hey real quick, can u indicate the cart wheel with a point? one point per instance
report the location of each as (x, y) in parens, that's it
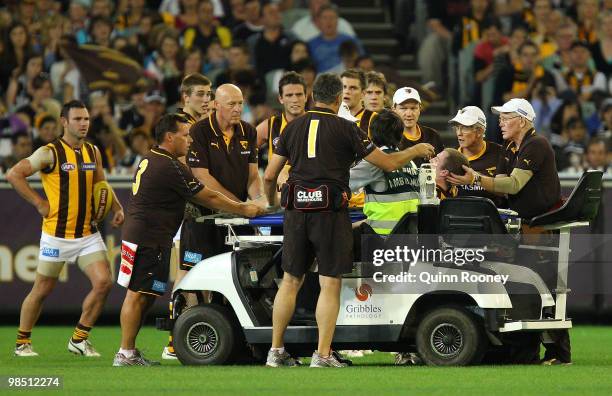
(450, 336)
(205, 335)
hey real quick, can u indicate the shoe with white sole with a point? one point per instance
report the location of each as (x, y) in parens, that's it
(83, 348)
(168, 355)
(137, 359)
(25, 350)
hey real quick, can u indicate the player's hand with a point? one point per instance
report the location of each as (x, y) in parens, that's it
(251, 210)
(464, 180)
(423, 150)
(118, 217)
(43, 208)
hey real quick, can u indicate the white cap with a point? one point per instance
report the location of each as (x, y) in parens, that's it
(404, 94)
(518, 106)
(470, 115)
(345, 112)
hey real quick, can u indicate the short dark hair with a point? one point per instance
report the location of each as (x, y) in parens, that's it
(168, 124)
(357, 75)
(303, 65)
(327, 7)
(387, 129)
(491, 22)
(73, 104)
(19, 134)
(597, 140)
(455, 161)
(378, 79)
(327, 88)
(348, 48)
(191, 81)
(574, 122)
(290, 78)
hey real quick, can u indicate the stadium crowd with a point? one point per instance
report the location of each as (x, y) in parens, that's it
(557, 54)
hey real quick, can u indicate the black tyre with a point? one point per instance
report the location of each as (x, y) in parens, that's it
(205, 335)
(450, 336)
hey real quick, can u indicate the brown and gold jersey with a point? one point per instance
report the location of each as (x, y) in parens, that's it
(485, 162)
(424, 135)
(68, 185)
(364, 118)
(276, 126)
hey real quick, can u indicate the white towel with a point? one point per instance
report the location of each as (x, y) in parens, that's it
(128, 255)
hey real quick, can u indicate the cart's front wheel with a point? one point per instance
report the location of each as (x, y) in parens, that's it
(205, 335)
(450, 336)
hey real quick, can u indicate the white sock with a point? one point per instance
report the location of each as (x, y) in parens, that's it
(280, 350)
(128, 353)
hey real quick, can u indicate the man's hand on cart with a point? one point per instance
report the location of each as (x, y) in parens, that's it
(251, 209)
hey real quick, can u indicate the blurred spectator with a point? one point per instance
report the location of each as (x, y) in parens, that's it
(349, 53)
(133, 116)
(41, 93)
(194, 62)
(237, 14)
(53, 27)
(20, 88)
(103, 8)
(215, 60)
(605, 115)
(154, 108)
(21, 148)
(140, 144)
(26, 13)
(587, 20)
(128, 20)
(570, 155)
(493, 45)
(77, 14)
(10, 125)
(520, 79)
(537, 17)
(545, 40)
(47, 129)
(602, 50)
(104, 131)
(564, 37)
(207, 30)
(166, 61)
(271, 47)
(307, 27)
(443, 17)
(238, 58)
(100, 29)
(16, 51)
(325, 47)
(298, 51)
(580, 78)
(570, 108)
(467, 34)
(365, 63)
(184, 17)
(597, 155)
(252, 21)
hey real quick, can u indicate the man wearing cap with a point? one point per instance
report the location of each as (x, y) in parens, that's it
(470, 124)
(407, 104)
(528, 176)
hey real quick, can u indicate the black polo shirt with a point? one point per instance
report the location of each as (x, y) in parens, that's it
(484, 163)
(227, 160)
(543, 190)
(162, 185)
(322, 147)
(426, 135)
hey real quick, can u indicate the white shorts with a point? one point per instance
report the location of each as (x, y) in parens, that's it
(69, 250)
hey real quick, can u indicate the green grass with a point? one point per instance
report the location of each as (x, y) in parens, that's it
(373, 375)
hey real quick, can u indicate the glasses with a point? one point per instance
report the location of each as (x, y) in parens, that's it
(505, 120)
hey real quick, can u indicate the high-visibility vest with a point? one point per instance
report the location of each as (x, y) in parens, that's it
(384, 209)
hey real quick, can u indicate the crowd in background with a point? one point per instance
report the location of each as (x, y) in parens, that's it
(557, 54)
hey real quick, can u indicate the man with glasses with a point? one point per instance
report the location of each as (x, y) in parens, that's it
(528, 176)
(469, 125)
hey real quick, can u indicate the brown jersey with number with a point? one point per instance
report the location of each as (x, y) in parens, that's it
(162, 185)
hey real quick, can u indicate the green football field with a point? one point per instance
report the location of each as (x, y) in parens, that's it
(375, 374)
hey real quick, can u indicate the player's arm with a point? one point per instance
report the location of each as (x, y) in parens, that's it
(275, 165)
(204, 176)
(18, 174)
(393, 161)
(262, 133)
(254, 185)
(215, 200)
(117, 208)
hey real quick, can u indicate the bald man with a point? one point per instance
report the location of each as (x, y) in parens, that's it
(223, 156)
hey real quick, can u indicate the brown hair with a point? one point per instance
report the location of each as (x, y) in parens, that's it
(455, 161)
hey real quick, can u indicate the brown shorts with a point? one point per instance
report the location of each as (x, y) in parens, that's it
(324, 235)
(151, 270)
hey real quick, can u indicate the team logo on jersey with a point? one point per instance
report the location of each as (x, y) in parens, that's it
(68, 166)
(213, 144)
(49, 252)
(491, 170)
(244, 144)
(275, 141)
(88, 166)
(527, 161)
